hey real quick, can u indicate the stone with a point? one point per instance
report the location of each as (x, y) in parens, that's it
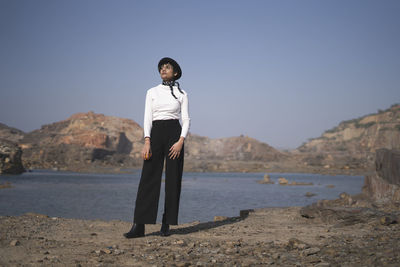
(180, 242)
(14, 243)
(295, 243)
(266, 180)
(383, 186)
(10, 158)
(309, 194)
(283, 181)
(386, 220)
(220, 218)
(245, 213)
(387, 164)
(311, 251)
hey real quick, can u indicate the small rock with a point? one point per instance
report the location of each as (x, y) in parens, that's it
(283, 181)
(220, 218)
(322, 264)
(295, 243)
(93, 234)
(311, 251)
(330, 186)
(313, 259)
(107, 251)
(245, 213)
(14, 243)
(309, 194)
(387, 220)
(118, 251)
(266, 180)
(180, 242)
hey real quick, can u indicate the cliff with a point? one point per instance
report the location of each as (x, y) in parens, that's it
(96, 142)
(81, 140)
(353, 143)
(10, 133)
(90, 141)
(10, 158)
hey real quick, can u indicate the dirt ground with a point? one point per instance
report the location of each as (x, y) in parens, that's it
(272, 236)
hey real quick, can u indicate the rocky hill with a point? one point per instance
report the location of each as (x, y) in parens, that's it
(92, 142)
(235, 154)
(83, 140)
(353, 143)
(96, 142)
(10, 133)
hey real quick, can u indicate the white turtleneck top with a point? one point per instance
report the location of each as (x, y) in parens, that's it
(161, 105)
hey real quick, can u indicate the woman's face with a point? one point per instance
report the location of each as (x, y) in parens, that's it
(167, 72)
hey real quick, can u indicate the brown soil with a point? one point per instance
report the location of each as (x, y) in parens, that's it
(272, 236)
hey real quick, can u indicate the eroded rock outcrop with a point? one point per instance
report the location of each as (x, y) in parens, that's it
(82, 140)
(383, 186)
(353, 143)
(10, 158)
(379, 201)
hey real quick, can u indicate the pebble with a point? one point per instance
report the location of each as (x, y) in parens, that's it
(15, 243)
(311, 251)
(220, 218)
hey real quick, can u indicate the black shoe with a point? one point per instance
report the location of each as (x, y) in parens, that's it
(136, 231)
(165, 229)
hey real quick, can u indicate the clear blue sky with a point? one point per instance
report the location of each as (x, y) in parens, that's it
(278, 71)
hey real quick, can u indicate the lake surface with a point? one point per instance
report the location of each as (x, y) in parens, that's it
(204, 195)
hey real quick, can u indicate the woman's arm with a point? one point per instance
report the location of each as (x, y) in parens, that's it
(148, 115)
(176, 148)
(185, 115)
(147, 125)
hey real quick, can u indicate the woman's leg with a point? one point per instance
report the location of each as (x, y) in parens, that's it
(173, 179)
(148, 194)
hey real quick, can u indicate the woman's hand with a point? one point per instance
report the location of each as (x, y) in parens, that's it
(176, 148)
(146, 151)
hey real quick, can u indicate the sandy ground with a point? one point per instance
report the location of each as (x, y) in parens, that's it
(273, 236)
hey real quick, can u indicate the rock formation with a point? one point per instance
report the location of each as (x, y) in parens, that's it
(232, 154)
(352, 144)
(10, 133)
(10, 158)
(90, 140)
(383, 186)
(379, 201)
(266, 180)
(81, 140)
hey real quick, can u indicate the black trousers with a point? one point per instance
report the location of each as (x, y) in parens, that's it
(164, 133)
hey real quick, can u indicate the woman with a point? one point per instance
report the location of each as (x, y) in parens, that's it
(164, 139)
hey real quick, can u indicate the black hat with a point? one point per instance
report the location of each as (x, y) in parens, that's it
(175, 65)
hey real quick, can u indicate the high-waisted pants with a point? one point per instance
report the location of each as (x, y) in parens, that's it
(164, 133)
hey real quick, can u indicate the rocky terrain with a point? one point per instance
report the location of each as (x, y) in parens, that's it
(99, 143)
(274, 236)
(10, 158)
(95, 142)
(352, 144)
(10, 133)
(82, 140)
(360, 230)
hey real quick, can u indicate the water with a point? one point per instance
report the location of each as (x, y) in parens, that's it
(204, 195)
